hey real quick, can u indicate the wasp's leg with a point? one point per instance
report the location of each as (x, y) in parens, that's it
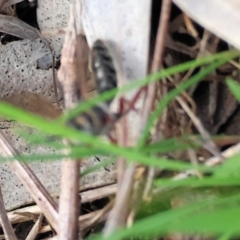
(131, 103)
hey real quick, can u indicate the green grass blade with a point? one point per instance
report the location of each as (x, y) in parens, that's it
(226, 236)
(149, 79)
(173, 144)
(234, 87)
(73, 135)
(174, 93)
(209, 217)
(226, 174)
(205, 182)
(58, 129)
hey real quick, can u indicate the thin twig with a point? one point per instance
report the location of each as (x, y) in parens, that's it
(207, 141)
(100, 216)
(32, 212)
(157, 59)
(118, 215)
(152, 88)
(35, 229)
(2, 3)
(98, 193)
(137, 195)
(31, 183)
(213, 161)
(82, 220)
(189, 25)
(226, 154)
(182, 48)
(24, 214)
(148, 185)
(7, 227)
(201, 53)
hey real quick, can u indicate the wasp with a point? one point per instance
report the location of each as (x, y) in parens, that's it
(99, 120)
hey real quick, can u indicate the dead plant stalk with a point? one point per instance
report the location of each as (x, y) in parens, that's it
(7, 227)
(69, 75)
(118, 216)
(31, 183)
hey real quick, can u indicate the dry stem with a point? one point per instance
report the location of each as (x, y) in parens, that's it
(118, 216)
(157, 59)
(69, 76)
(31, 183)
(2, 2)
(208, 142)
(212, 161)
(32, 212)
(7, 227)
(35, 229)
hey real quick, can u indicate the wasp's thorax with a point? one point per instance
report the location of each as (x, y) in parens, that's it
(96, 121)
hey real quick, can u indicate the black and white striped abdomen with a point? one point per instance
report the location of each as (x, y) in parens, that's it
(103, 68)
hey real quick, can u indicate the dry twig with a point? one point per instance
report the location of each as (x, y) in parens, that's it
(189, 25)
(207, 140)
(98, 193)
(35, 229)
(118, 216)
(157, 59)
(71, 76)
(82, 220)
(7, 227)
(31, 183)
(230, 152)
(100, 216)
(2, 2)
(226, 154)
(162, 35)
(32, 212)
